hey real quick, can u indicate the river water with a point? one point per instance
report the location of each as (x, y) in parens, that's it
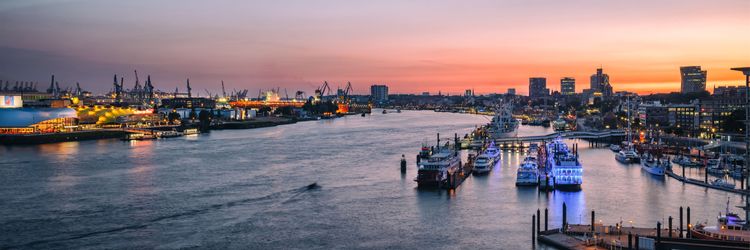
(249, 189)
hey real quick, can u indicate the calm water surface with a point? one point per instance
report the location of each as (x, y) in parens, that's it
(248, 189)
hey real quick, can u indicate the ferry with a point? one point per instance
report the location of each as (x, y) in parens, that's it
(503, 124)
(730, 228)
(483, 164)
(565, 169)
(627, 156)
(434, 170)
(653, 165)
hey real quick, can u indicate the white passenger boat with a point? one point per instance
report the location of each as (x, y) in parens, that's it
(627, 156)
(722, 184)
(483, 164)
(492, 152)
(528, 173)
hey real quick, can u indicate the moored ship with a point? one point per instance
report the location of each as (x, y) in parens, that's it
(483, 164)
(730, 228)
(503, 124)
(435, 167)
(654, 165)
(564, 168)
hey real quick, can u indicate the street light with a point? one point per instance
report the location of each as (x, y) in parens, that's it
(746, 71)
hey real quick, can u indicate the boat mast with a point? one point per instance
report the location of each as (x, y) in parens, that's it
(630, 134)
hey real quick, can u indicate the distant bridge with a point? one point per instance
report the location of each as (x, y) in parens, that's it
(564, 135)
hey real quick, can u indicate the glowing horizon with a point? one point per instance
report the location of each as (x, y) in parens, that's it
(413, 47)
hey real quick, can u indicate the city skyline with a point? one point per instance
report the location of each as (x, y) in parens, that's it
(411, 47)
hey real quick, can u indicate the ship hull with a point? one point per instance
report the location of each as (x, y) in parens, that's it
(428, 179)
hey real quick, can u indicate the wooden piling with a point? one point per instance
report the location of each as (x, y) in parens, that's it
(565, 217)
(681, 229)
(545, 219)
(670, 226)
(533, 230)
(688, 223)
(538, 219)
(630, 240)
(593, 220)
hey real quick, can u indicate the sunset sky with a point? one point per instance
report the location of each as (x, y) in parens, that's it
(412, 46)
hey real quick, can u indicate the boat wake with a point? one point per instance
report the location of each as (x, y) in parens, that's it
(291, 195)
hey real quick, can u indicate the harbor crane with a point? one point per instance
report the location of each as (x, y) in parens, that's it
(321, 92)
(223, 91)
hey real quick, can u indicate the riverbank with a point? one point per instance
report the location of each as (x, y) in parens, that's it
(30, 139)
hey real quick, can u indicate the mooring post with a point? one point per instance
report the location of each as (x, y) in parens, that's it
(670, 226)
(533, 230)
(637, 244)
(658, 232)
(564, 217)
(630, 240)
(545, 219)
(593, 215)
(538, 221)
(681, 228)
(688, 224)
(705, 176)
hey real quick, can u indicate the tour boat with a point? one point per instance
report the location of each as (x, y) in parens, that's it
(483, 164)
(528, 171)
(435, 170)
(627, 156)
(730, 228)
(565, 169)
(169, 134)
(653, 165)
(492, 152)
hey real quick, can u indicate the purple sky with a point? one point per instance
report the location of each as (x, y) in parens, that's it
(412, 46)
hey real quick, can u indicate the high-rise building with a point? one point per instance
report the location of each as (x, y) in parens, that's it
(600, 83)
(469, 92)
(693, 79)
(538, 87)
(379, 93)
(511, 91)
(567, 86)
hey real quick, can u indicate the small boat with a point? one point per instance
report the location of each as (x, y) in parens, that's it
(689, 163)
(614, 148)
(713, 166)
(722, 184)
(654, 166)
(483, 164)
(627, 156)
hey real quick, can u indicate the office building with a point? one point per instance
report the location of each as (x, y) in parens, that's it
(600, 83)
(567, 86)
(693, 79)
(379, 93)
(538, 87)
(511, 91)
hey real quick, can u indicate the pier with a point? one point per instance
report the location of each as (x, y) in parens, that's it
(705, 184)
(597, 235)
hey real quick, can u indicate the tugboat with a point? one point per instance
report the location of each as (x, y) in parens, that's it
(730, 228)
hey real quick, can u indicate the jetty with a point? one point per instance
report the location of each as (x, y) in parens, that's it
(600, 236)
